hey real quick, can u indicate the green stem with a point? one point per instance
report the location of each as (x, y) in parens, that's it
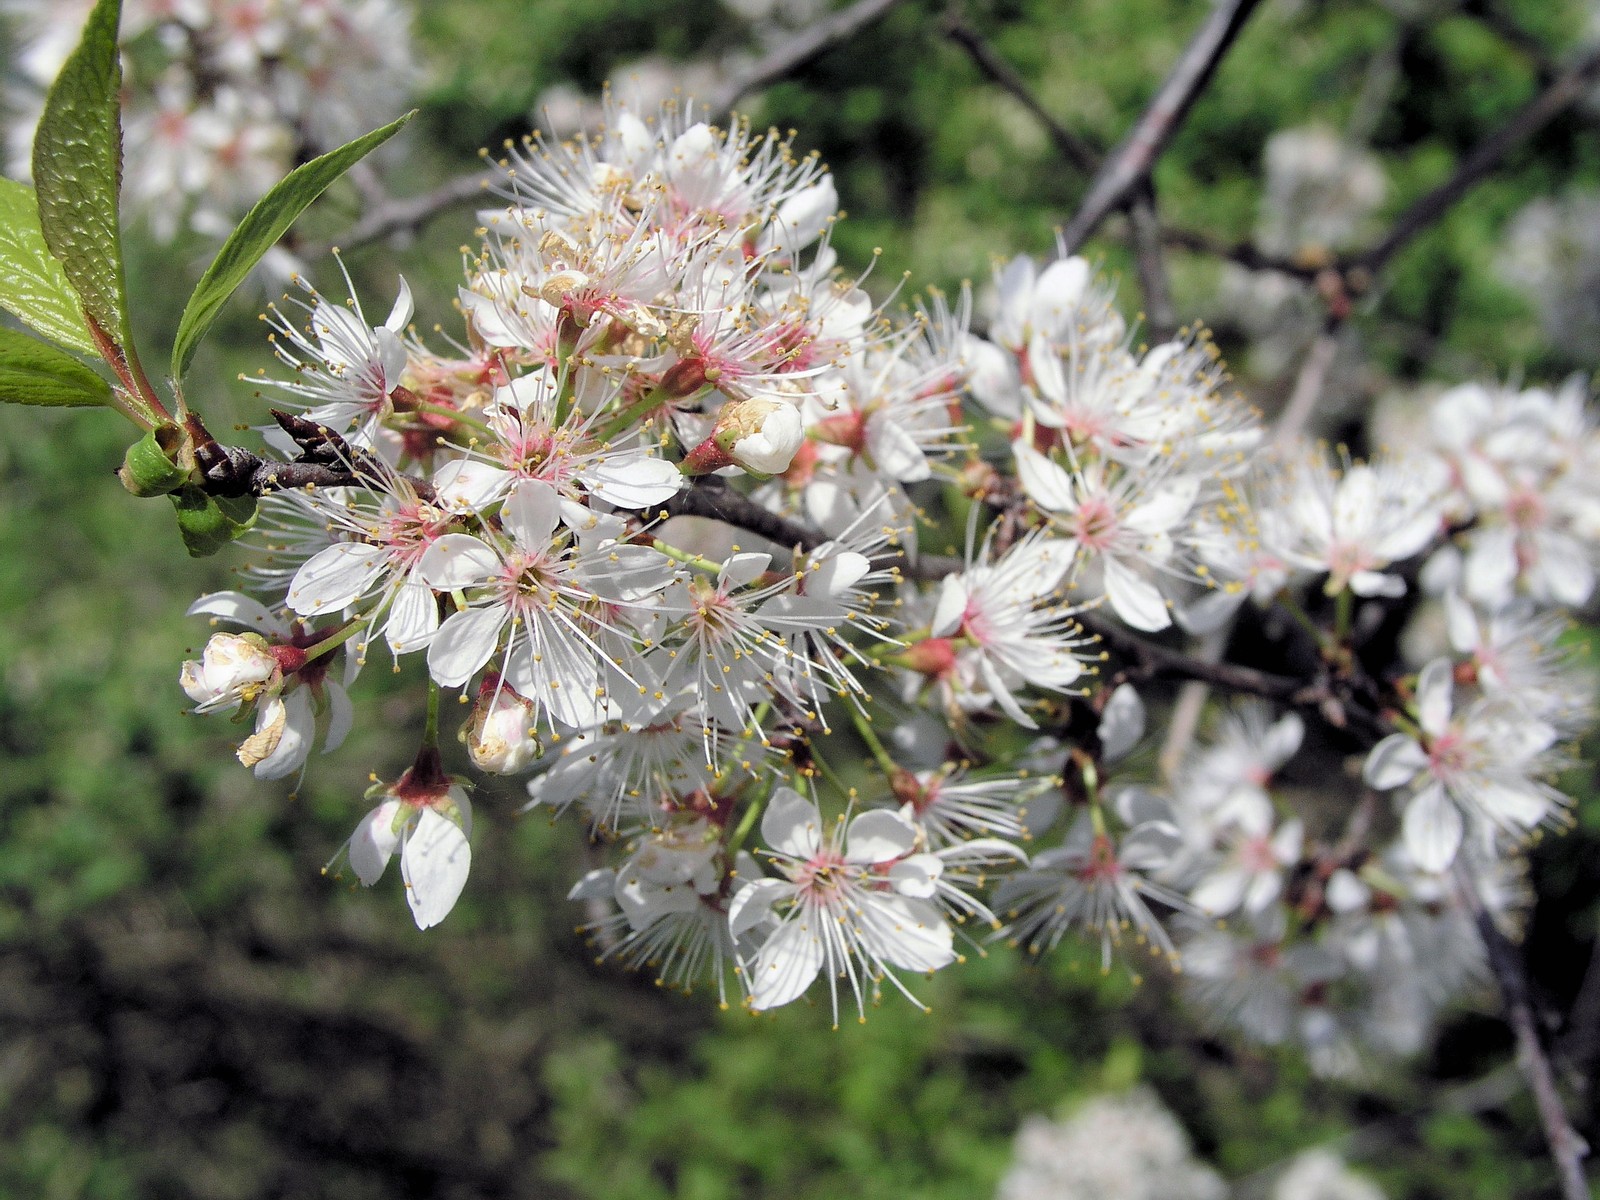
(430, 731)
(688, 559)
(863, 724)
(747, 822)
(1292, 607)
(329, 645)
(653, 399)
(460, 418)
(1343, 606)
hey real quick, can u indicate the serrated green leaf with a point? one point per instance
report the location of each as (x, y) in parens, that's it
(77, 171)
(260, 230)
(35, 372)
(33, 287)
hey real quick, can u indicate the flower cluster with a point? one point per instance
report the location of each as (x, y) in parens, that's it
(223, 96)
(657, 516)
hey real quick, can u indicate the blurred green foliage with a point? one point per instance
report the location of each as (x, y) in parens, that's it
(190, 1010)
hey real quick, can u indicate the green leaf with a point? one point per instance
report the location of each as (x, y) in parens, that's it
(33, 286)
(35, 372)
(77, 169)
(260, 230)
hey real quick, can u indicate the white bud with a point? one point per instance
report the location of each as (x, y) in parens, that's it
(761, 435)
(499, 735)
(233, 667)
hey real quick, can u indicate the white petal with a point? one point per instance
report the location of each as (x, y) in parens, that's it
(434, 864)
(791, 825)
(1121, 723)
(333, 578)
(1047, 484)
(1165, 508)
(294, 742)
(1220, 892)
(787, 963)
(341, 717)
(917, 876)
(1135, 600)
(1433, 829)
(413, 617)
(894, 452)
(468, 486)
(457, 560)
(952, 606)
(837, 573)
(741, 569)
(1435, 686)
(1394, 761)
(240, 609)
(634, 480)
(530, 514)
(374, 841)
(463, 644)
(878, 836)
(909, 934)
(752, 904)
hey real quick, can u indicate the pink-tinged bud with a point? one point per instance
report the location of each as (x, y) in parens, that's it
(843, 429)
(500, 733)
(760, 435)
(687, 376)
(933, 657)
(234, 667)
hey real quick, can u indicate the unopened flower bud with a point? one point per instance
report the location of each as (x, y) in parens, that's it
(233, 667)
(933, 657)
(760, 435)
(499, 734)
(150, 468)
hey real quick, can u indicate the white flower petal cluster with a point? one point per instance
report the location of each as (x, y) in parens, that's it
(223, 97)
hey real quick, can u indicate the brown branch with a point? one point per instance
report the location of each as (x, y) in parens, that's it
(1505, 960)
(710, 496)
(410, 213)
(1132, 161)
(1161, 314)
(1488, 154)
(1245, 254)
(1075, 149)
(800, 49)
(1145, 229)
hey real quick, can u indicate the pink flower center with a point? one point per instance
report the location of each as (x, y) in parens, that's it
(1096, 523)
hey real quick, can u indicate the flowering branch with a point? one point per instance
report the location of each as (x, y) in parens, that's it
(408, 214)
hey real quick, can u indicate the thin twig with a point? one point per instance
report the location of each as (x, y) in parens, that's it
(1160, 312)
(794, 53)
(1161, 315)
(410, 213)
(1308, 387)
(1131, 162)
(1075, 149)
(1488, 154)
(1505, 960)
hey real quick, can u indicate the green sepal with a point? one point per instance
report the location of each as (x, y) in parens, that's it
(205, 525)
(260, 230)
(37, 373)
(149, 469)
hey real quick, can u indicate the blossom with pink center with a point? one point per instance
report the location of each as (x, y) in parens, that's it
(1097, 883)
(536, 590)
(853, 905)
(1016, 628)
(1484, 765)
(1118, 521)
